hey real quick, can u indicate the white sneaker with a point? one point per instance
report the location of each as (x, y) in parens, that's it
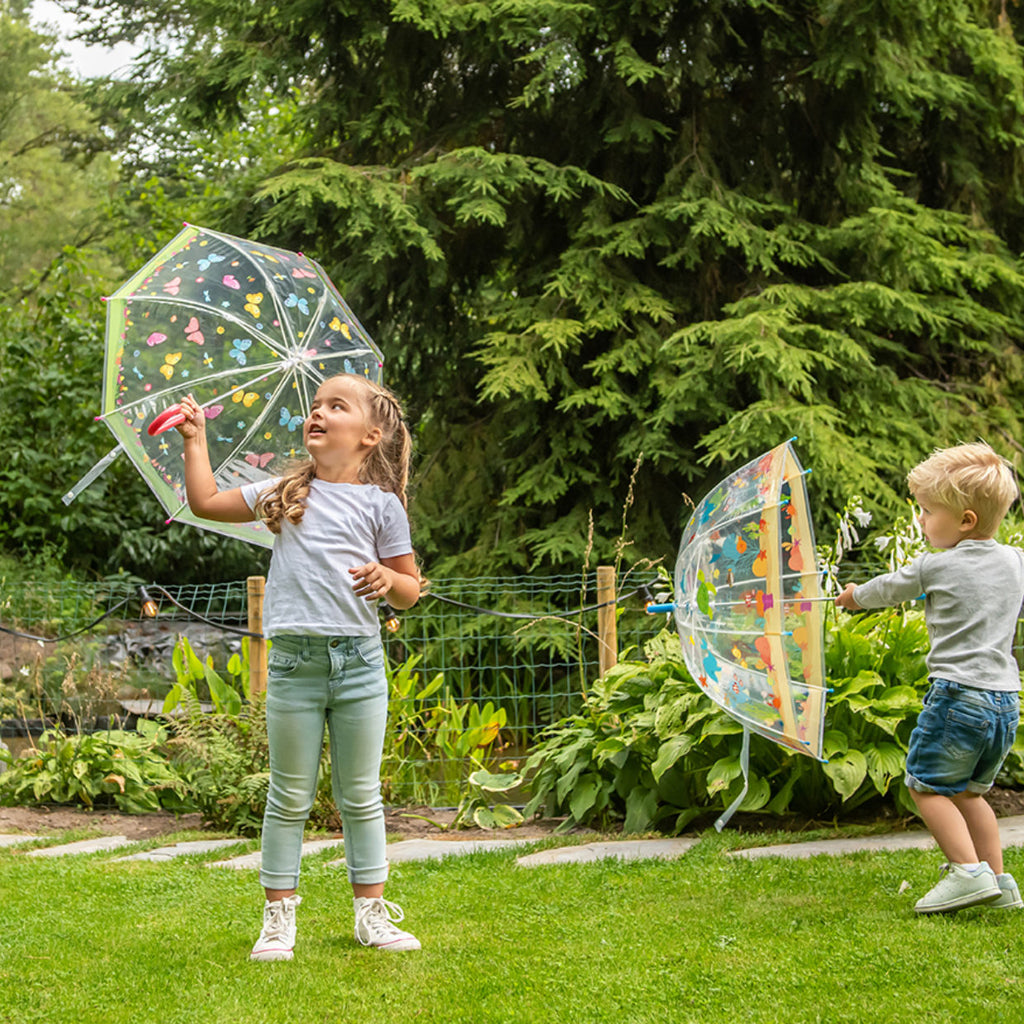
(375, 924)
(1009, 894)
(277, 940)
(959, 888)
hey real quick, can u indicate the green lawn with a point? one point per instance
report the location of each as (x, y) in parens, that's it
(704, 938)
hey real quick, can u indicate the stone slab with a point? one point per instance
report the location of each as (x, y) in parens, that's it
(623, 849)
(436, 849)
(103, 844)
(182, 849)
(14, 840)
(1011, 831)
(836, 847)
(253, 860)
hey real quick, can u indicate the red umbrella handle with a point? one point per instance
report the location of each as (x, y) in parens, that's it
(170, 417)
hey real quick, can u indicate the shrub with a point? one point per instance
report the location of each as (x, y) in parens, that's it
(101, 769)
(650, 749)
(225, 759)
(433, 742)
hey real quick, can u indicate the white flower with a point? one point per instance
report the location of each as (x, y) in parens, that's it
(862, 517)
(882, 542)
(24, 670)
(847, 533)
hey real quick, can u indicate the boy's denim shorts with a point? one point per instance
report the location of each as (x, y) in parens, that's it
(961, 739)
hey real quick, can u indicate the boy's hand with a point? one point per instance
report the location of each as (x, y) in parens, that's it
(195, 419)
(845, 599)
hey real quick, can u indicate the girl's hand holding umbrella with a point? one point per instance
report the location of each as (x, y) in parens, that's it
(176, 416)
(193, 424)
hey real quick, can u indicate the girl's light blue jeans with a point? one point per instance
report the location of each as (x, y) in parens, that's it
(313, 681)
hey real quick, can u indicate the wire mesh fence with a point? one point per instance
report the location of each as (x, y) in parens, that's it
(522, 648)
(487, 662)
(521, 643)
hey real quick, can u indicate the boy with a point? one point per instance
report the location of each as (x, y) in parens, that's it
(974, 591)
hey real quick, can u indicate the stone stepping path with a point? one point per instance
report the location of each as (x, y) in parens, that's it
(252, 860)
(436, 849)
(917, 840)
(104, 844)
(1011, 830)
(15, 840)
(182, 849)
(622, 849)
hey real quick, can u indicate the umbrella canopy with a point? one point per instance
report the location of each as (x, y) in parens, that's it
(749, 604)
(251, 331)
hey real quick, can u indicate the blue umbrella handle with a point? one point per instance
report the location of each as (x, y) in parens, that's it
(654, 609)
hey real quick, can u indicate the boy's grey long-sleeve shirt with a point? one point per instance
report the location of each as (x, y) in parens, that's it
(974, 594)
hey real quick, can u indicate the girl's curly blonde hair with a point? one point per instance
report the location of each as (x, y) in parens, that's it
(387, 465)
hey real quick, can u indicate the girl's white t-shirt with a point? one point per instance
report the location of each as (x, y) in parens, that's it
(309, 587)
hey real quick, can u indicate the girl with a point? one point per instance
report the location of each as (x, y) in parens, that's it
(342, 543)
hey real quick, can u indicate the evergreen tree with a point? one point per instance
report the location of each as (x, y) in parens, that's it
(66, 239)
(53, 181)
(582, 231)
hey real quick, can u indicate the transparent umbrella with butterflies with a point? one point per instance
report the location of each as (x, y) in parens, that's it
(251, 331)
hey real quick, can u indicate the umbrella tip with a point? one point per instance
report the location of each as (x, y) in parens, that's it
(167, 522)
(104, 298)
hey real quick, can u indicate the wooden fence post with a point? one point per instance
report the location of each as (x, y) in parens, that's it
(257, 645)
(608, 645)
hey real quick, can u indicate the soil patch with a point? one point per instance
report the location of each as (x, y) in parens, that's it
(431, 823)
(401, 823)
(46, 821)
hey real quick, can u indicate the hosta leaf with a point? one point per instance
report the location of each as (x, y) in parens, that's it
(885, 762)
(641, 806)
(506, 816)
(722, 772)
(495, 783)
(584, 795)
(847, 772)
(669, 752)
(759, 792)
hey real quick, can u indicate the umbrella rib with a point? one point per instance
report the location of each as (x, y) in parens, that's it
(271, 368)
(728, 584)
(291, 341)
(742, 632)
(749, 514)
(247, 438)
(202, 307)
(319, 311)
(786, 602)
(758, 672)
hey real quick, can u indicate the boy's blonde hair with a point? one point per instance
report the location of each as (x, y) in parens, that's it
(967, 476)
(387, 465)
